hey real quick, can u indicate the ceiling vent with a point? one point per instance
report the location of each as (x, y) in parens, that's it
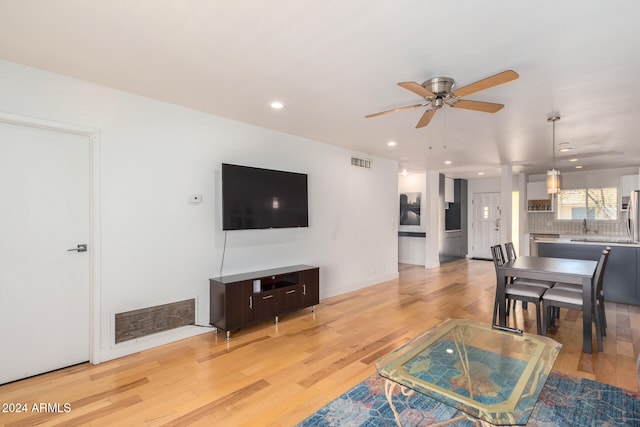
(360, 163)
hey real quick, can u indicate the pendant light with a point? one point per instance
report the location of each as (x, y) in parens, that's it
(553, 175)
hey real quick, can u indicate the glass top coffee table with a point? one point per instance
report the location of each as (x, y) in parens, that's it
(490, 374)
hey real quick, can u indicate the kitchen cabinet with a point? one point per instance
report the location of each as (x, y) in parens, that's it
(452, 245)
(537, 198)
(628, 183)
(449, 190)
(537, 190)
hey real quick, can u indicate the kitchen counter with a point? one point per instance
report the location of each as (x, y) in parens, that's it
(590, 239)
(622, 275)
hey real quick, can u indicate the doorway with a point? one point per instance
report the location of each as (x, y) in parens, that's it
(46, 279)
(486, 223)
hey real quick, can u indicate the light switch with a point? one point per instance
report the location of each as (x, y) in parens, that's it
(194, 199)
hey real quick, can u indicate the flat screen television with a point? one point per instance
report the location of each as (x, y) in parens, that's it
(255, 198)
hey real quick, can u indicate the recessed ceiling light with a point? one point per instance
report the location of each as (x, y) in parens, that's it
(573, 160)
(579, 167)
(277, 105)
(480, 173)
(564, 147)
(447, 162)
(391, 143)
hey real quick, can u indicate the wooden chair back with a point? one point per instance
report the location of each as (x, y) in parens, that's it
(511, 251)
(498, 255)
(599, 276)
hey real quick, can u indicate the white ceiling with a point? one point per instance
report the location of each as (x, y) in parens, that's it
(331, 62)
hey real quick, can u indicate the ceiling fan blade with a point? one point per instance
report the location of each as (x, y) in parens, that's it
(487, 107)
(417, 89)
(426, 118)
(395, 110)
(498, 79)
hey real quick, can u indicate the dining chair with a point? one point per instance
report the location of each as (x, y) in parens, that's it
(562, 298)
(600, 293)
(516, 291)
(511, 255)
(510, 249)
(599, 300)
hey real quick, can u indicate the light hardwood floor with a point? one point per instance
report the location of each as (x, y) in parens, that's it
(270, 375)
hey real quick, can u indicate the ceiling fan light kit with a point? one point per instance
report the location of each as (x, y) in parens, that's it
(439, 91)
(553, 175)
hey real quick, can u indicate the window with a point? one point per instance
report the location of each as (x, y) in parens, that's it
(589, 203)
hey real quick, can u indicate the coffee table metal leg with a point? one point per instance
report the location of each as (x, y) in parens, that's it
(388, 392)
(390, 386)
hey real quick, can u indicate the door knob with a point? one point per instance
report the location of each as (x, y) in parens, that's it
(79, 248)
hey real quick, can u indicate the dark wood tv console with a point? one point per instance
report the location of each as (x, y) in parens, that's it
(243, 299)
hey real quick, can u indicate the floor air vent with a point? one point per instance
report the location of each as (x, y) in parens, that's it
(361, 163)
(146, 321)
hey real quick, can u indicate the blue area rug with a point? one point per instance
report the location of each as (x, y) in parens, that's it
(564, 401)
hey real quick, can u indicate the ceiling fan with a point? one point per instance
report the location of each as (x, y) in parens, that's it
(438, 91)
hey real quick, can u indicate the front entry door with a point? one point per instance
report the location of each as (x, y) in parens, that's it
(486, 223)
(44, 282)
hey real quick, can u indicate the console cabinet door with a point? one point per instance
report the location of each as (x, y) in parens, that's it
(239, 305)
(267, 304)
(309, 286)
(291, 298)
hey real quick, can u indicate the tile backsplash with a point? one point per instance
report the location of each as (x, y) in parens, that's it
(545, 222)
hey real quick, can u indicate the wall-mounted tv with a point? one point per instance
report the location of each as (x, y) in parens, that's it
(255, 198)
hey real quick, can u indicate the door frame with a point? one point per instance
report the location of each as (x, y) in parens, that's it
(474, 226)
(93, 136)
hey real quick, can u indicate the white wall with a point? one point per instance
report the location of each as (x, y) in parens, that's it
(157, 248)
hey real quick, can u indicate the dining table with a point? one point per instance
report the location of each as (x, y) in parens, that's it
(575, 271)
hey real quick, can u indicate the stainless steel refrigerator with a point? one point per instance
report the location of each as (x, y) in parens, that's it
(633, 223)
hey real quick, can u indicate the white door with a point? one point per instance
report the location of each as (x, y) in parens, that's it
(44, 288)
(486, 223)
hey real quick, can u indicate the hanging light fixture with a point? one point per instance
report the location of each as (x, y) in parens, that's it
(553, 175)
